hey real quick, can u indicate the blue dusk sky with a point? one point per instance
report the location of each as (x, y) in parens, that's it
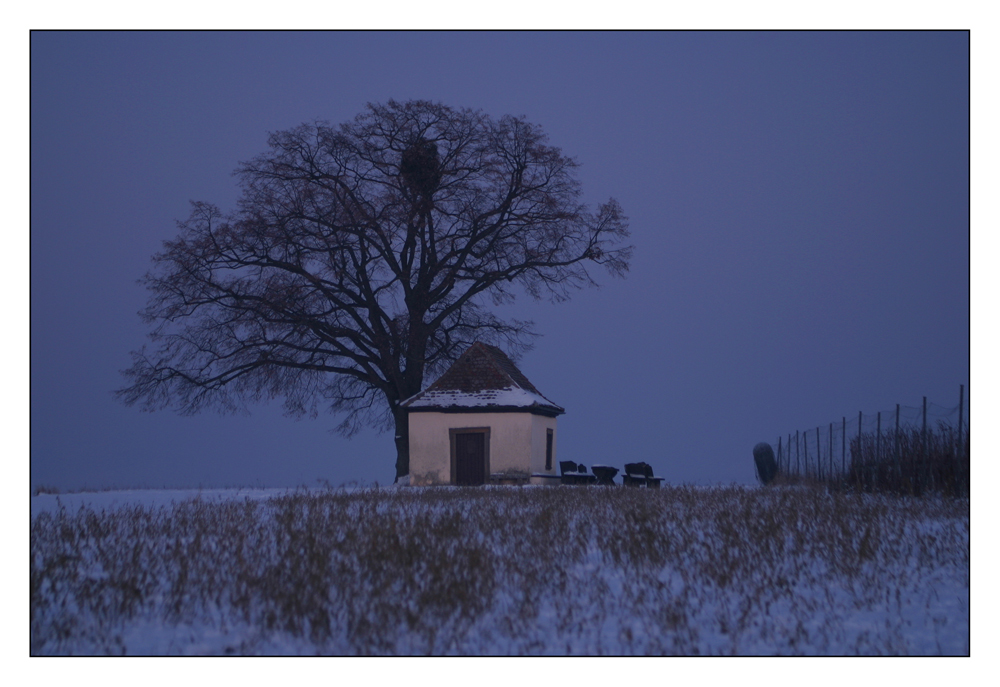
(799, 206)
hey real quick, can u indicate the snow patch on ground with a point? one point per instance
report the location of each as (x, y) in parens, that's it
(560, 570)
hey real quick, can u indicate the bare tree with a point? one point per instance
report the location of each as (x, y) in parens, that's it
(362, 258)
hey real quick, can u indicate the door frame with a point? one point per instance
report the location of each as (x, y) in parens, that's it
(452, 431)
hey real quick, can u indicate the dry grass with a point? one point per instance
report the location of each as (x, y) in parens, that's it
(680, 570)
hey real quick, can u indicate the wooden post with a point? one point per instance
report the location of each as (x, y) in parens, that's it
(779, 454)
(805, 452)
(923, 448)
(819, 457)
(878, 440)
(899, 468)
(796, 452)
(861, 470)
(829, 476)
(878, 435)
(961, 402)
(843, 447)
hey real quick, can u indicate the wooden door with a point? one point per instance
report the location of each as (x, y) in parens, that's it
(470, 458)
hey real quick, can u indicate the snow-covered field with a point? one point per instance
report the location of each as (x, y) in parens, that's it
(532, 570)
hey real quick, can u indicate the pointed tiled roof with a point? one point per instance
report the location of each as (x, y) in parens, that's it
(483, 379)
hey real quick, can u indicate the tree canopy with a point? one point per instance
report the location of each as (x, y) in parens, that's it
(364, 257)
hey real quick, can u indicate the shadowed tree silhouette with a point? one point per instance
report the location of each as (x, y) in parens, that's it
(420, 168)
(362, 258)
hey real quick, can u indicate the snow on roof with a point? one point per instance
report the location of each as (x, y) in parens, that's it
(483, 377)
(511, 398)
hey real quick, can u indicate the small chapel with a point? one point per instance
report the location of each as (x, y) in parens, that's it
(482, 422)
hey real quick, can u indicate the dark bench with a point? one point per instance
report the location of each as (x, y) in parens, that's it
(640, 474)
(571, 473)
(605, 475)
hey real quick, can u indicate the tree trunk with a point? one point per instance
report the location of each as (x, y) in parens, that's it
(402, 442)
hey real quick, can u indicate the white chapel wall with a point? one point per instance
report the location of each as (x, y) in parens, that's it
(540, 423)
(514, 443)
